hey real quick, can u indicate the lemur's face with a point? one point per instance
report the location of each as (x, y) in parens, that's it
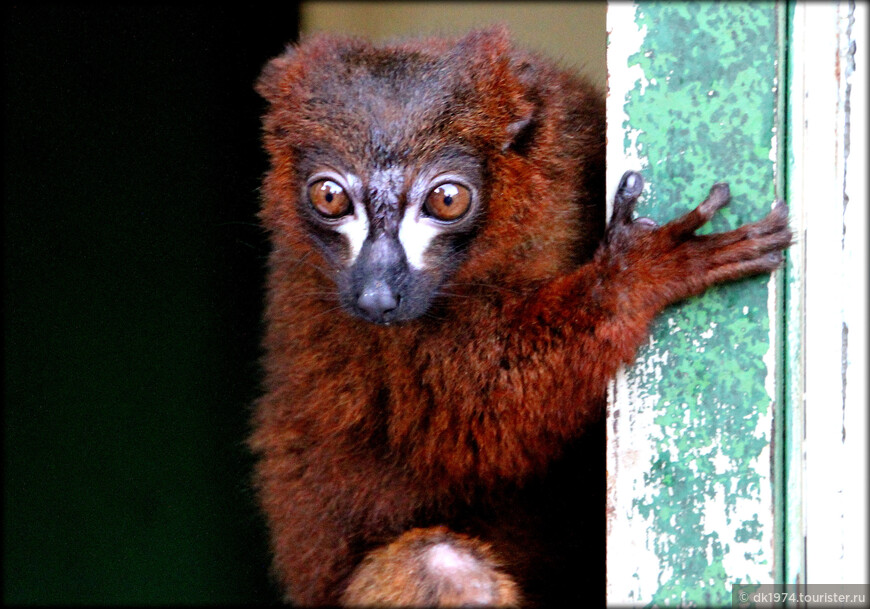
(383, 162)
(395, 231)
(389, 187)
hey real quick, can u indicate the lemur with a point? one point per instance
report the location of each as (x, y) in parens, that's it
(445, 308)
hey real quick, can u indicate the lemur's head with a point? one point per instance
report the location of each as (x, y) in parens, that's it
(401, 170)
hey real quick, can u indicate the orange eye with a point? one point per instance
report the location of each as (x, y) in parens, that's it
(329, 199)
(448, 202)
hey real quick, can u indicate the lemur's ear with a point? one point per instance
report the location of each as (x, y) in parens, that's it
(521, 131)
(487, 47)
(273, 80)
(505, 78)
(278, 75)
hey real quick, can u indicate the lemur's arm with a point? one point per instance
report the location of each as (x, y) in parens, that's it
(551, 355)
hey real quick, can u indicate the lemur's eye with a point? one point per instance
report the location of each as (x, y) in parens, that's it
(447, 202)
(329, 199)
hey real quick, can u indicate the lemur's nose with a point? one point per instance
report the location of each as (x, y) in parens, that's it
(377, 299)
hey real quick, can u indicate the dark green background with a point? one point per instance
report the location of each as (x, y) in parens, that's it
(133, 276)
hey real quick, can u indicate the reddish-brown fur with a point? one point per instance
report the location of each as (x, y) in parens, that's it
(472, 416)
(392, 575)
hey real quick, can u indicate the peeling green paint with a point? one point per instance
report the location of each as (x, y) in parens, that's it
(704, 111)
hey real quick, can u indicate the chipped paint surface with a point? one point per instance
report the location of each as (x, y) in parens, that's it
(828, 187)
(690, 425)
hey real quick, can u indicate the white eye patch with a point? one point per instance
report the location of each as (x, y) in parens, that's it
(415, 235)
(356, 229)
(416, 230)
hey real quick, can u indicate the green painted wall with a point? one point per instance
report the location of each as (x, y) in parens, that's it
(704, 110)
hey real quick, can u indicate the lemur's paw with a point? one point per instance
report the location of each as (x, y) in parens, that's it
(673, 261)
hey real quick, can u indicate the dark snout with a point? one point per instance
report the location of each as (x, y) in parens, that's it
(377, 299)
(379, 274)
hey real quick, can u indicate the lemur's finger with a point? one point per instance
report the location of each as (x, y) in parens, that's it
(687, 224)
(630, 187)
(738, 269)
(773, 229)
